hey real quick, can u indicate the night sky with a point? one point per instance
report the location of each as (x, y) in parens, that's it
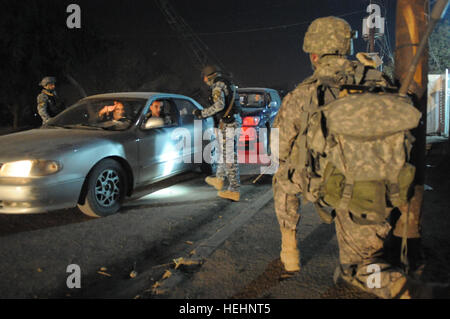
(258, 41)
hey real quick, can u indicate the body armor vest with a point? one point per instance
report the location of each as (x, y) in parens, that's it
(228, 98)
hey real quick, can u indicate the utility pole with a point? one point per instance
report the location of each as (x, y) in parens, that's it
(412, 20)
(413, 28)
(411, 23)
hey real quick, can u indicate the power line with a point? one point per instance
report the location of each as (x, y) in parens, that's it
(198, 50)
(283, 26)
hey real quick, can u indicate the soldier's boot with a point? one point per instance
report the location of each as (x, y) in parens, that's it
(215, 182)
(232, 195)
(338, 276)
(290, 255)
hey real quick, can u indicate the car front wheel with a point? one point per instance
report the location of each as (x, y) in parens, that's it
(105, 189)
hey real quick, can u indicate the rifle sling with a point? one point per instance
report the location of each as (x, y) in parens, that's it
(231, 103)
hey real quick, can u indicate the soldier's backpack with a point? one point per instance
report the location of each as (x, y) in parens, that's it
(356, 152)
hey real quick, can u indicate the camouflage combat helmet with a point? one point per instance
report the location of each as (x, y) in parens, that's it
(47, 80)
(210, 70)
(329, 35)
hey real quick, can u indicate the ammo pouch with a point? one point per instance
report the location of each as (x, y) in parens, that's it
(370, 201)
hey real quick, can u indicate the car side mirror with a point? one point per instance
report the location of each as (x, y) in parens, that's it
(153, 122)
(273, 104)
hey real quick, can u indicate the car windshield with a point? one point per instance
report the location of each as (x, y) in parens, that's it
(254, 100)
(109, 114)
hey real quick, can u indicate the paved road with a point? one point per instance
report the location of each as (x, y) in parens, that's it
(152, 229)
(238, 244)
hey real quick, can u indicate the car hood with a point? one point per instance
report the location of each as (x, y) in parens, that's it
(43, 143)
(252, 111)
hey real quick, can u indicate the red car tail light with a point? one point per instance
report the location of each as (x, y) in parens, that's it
(250, 121)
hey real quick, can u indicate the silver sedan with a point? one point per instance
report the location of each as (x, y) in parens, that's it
(98, 151)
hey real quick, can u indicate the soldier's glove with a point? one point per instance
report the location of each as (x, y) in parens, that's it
(197, 113)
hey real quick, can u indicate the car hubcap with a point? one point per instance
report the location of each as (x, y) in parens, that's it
(107, 188)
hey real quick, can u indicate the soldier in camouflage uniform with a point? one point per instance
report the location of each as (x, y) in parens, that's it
(328, 41)
(47, 102)
(222, 95)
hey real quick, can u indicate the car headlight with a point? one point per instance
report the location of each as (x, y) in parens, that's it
(29, 168)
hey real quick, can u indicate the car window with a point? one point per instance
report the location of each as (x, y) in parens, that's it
(185, 109)
(275, 97)
(111, 114)
(252, 99)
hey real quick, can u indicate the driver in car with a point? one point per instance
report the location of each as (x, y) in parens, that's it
(155, 111)
(258, 101)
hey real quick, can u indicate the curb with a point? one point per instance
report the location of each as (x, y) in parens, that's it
(206, 247)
